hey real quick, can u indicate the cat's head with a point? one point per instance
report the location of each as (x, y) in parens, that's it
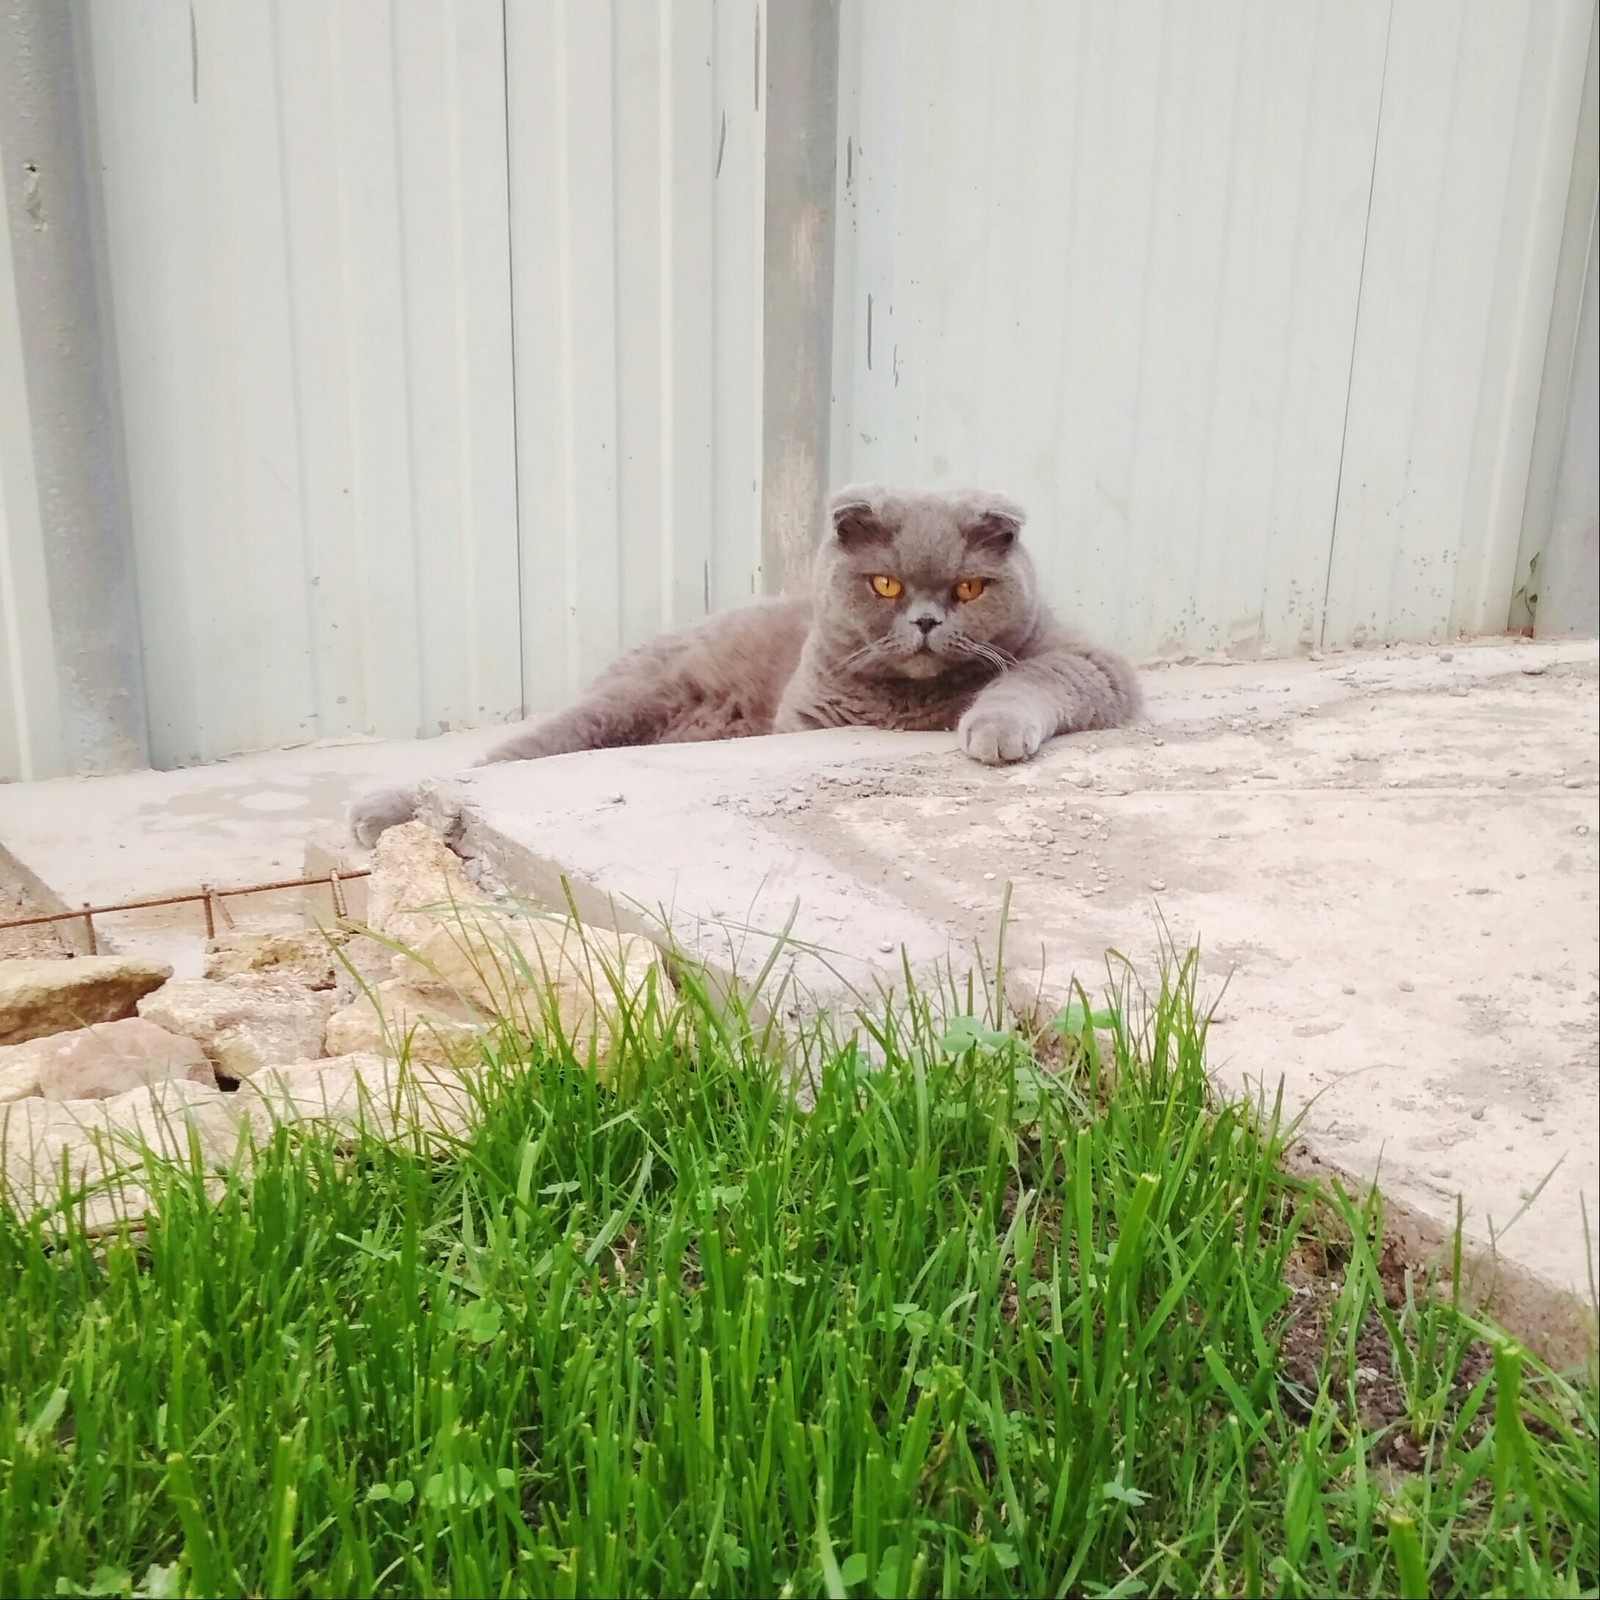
(917, 583)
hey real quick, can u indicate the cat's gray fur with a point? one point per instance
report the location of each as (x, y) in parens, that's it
(999, 669)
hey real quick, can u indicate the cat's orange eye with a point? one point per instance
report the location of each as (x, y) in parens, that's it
(887, 588)
(969, 589)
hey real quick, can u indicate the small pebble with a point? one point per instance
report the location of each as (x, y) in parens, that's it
(988, 877)
(617, 798)
(1478, 1113)
(1447, 655)
(887, 946)
(1407, 986)
(905, 872)
(1573, 783)
(1533, 670)
(1347, 988)
(1158, 741)
(1583, 827)
(1157, 883)
(1533, 1116)
(1316, 655)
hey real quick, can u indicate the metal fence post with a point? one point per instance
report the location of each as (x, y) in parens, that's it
(69, 407)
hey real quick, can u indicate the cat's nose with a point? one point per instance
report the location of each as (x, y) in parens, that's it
(927, 624)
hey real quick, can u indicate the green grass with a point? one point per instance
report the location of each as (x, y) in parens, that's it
(963, 1327)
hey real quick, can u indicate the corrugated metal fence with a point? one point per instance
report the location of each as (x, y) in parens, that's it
(439, 329)
(1247, 303)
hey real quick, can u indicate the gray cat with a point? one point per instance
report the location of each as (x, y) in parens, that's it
(924, 615)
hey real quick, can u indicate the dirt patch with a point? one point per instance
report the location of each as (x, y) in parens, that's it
(1367, 1370)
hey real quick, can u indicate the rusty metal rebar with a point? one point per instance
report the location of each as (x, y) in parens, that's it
(205, 894)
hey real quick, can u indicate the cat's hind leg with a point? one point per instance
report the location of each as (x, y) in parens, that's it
(597, 722)
(629, 712)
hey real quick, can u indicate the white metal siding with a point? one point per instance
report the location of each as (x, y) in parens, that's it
(309, 264)
(1480, 110)
(636, 223)
(1197, 284)
(438, 329)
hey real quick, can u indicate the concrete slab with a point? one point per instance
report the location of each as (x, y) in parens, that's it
(1390, 858)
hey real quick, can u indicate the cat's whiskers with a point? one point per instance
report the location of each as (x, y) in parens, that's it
(993, 655)
(862, 655)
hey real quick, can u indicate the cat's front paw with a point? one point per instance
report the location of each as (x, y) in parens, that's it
(383, 808)
(997, 736)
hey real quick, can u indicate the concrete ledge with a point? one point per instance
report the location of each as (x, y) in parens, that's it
(1389, 861)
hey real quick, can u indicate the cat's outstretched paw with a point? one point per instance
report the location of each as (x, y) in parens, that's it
(383, 808)
(996, 736)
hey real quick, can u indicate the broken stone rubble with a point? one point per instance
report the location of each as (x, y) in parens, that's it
(92, 1153)
(464, 962)
(310, 957)
(82, 1106)
(43, 996)
(96, 1063)
(245, 1022)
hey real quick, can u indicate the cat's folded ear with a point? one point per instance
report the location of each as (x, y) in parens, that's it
(855, 524)
(994, 527)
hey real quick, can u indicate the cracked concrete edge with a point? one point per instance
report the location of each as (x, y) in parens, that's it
(771, 972)
(1553, 1322)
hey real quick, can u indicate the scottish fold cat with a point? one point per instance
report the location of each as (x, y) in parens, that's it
(924, 614)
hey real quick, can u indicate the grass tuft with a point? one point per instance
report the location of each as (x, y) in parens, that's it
(967, 1323)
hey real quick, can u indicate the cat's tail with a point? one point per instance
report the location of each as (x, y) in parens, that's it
(373, 813)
